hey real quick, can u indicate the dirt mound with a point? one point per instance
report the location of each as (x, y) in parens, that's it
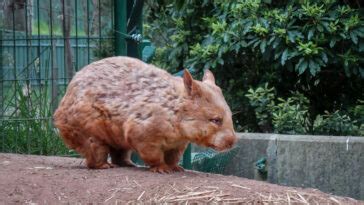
(54, 180)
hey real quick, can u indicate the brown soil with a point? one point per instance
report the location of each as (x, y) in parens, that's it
(26, 179)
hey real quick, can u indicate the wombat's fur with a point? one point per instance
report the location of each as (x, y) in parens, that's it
(120, 104)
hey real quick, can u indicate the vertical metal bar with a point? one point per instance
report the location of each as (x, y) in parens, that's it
(15, 77)
(38, 48)
(88, 30)
(2, 92)
(39, 66)
(120, 27)
(112, 13)
(76, 18)
(134, 26)
(65, 75)
(27, 74)
(99, 3)
(54, 74)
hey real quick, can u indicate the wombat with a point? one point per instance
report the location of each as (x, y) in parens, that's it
(120, 104)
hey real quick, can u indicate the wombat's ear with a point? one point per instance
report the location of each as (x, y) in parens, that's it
(191, 86)
(208, 77)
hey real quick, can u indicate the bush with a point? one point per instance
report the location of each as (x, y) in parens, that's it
(335, 124)
(283, 115)
(315, 48)
(291, 116)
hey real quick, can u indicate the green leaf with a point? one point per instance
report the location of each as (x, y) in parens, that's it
(324, 57)
(292, 35)
(359, 33)
(226, 38)
(314, 67)
(361, 71)
(293, 54)
(354, 37)
(311, 32)
(343, 35)
(253, 41)
(284, 56)
(256, 44)
(263, 45)
(247, 27)
(301, 66)
(276, 43)
(361, 46)
(271, 40)
(332, 42)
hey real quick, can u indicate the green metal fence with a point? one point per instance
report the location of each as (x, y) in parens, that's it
(43, 43)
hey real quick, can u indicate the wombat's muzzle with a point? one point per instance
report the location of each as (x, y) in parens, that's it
(224, 141)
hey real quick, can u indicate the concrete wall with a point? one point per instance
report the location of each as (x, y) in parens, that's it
(329, 163)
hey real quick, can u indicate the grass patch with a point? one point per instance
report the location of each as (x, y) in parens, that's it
(44, 29)
(26, 125)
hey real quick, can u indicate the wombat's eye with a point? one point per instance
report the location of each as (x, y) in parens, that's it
(217, 121)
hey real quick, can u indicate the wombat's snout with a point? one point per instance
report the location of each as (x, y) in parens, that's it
(230, 140)
(224, 140)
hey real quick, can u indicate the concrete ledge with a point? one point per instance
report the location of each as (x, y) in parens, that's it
(329, 163)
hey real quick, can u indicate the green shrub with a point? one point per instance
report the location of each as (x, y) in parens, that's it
(291, 115)
(262, 99)
(315, 48)
(335, 124)
(284, 116)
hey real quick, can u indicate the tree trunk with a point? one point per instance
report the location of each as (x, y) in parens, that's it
(66, 9)
(85, 15)
(95, 17)
(30, 16)
(14, 14)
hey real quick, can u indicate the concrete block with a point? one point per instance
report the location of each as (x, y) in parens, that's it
(252, 147)
(329, 163)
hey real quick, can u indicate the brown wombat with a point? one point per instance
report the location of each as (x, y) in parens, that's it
(120, 104)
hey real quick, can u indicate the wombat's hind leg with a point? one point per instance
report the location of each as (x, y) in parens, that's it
(96, 155)
(121, 157)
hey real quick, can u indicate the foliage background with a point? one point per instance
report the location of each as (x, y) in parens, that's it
(285, 66)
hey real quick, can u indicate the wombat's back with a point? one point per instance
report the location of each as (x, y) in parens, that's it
(118, 79)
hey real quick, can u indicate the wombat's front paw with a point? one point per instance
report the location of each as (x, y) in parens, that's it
(177, 168)
(162, 169)
(105, 166)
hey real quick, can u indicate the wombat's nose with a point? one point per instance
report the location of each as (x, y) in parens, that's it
(230, 141)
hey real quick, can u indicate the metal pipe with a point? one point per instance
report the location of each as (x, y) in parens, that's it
(120, 27)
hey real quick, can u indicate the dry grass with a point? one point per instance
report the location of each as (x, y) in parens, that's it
(214, 195)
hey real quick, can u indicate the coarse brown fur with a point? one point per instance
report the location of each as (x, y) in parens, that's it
(121, 104)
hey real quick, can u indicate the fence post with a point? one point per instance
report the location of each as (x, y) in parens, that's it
(135, 27)
(1, 74)
(120, 27)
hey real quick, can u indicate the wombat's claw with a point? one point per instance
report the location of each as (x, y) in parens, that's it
(161, 169)
(178, 168)
(106, 166)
